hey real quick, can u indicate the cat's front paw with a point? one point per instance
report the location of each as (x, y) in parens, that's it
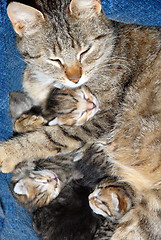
(7, 161)
(26, 123)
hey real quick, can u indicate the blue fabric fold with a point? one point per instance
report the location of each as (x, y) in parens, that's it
(142, 12)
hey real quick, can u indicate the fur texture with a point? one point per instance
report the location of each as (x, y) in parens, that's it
(121, 65)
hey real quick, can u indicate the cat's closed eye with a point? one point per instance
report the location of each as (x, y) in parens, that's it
(83, 53)
(57, 61)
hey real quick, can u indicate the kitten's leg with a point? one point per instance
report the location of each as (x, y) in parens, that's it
(41, 143)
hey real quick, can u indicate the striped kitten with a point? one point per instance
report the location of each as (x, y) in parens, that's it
(37, 183)
(63, 107)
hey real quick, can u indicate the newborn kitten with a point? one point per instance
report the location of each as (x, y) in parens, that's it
(37, 183)
(111, 201)
(62, 107)
(67, 217)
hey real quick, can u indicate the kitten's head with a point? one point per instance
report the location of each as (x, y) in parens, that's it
(111, 201)
(71, 107)
(34, 189)
(65, 43)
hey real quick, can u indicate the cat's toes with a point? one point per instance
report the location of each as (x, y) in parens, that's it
(29, 123)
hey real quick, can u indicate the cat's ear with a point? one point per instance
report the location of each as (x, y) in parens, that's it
(20, 188)
(85, 8)
(24, 19)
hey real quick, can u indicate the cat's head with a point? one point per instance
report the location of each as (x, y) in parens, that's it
(37, 189)
(71, 107)
(111, 201)
(64, 44)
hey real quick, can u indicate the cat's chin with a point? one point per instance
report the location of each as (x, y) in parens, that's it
(69, 84)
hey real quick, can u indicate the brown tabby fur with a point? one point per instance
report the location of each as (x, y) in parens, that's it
(123, 71)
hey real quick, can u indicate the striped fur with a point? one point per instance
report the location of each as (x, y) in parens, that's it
(121, 65)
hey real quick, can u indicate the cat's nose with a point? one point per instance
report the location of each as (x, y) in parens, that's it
(73, 73)
(75, 79)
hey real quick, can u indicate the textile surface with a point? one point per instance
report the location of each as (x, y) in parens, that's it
(15, 222)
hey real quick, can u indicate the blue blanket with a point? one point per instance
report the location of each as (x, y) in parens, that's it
(15, 222)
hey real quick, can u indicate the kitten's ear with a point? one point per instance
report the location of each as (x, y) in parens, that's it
(24, 18)
(20, 188)
(85, 8)
(121, 202)
(115, 202)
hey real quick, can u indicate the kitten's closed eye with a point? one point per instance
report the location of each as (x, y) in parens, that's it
(72, 107)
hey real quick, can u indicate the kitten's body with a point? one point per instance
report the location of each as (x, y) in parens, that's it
(37, 183)
(122, 67)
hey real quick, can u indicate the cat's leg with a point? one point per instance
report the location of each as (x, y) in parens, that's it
(43, 142)
(111, 199)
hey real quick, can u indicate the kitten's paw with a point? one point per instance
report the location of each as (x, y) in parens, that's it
(27, 123)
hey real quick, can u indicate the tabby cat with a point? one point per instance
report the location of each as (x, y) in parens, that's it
(120, 63)
(80, 45)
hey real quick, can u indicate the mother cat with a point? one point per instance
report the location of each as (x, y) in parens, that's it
(68, 44)
(62, 48)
